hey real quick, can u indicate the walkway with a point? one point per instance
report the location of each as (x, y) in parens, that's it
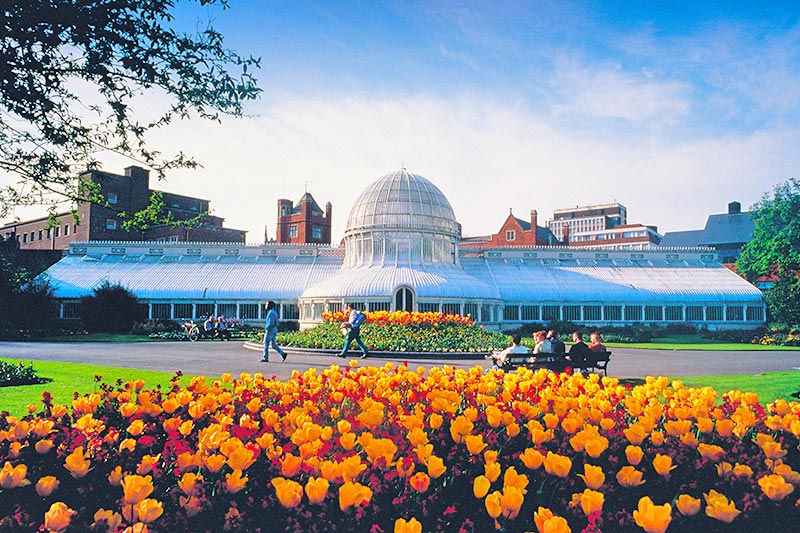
(215, 358)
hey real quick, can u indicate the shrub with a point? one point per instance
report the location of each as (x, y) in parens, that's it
(159, 325)
(111, 308)
(19, 374)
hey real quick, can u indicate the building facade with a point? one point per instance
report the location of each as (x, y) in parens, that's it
(303, 223)
(514, 232)
(402, 251)
(127, 193)
(601, 226)
(727, 233)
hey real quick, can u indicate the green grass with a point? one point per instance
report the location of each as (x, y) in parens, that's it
(69, 378)
(95, 337)
(769, 386)
(697, 342)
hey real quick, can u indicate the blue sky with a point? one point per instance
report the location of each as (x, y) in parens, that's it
(671, 108)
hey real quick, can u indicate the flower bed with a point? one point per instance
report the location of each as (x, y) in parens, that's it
(402, 332)
(392, 449)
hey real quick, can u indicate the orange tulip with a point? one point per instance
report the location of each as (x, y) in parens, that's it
(48, 484)
(289, 492)
(628, 476)
(593, 476)
(421, 481)
(43, 446)
(663, 465)
(511, 501)
(557, 465)
(775, 487)
(634, 454)
(13, 476)
(188, 483)
(148, 510)
(532, 458)
(652, 518)
(493, 504)
(480, 486)
(353, 495)
(317, 489)
(235, 481)
(719, 507)
(712, 452)
(109, 519)
(435, 466)
(475, 444)
(77, 463)
(687, 505)
(136, 488)
(290, 465)
(592, 501)
(57, 519)
(410, 526)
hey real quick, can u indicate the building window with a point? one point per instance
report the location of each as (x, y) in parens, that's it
(110, 224)
(66, 230)
(511, 235)
(41, 234)
(316, 232)
(612, 313)
(57, 231)
(654, 313)
(674, 313)
(571, 312)
(24, 237)
(404, 299)
(379, 306)
(734, 313)
(591, 313)
(49, 233)
(471, 310)
(530, 312)
(290, 312)
(227, 310)
(293, 230)
(427, 307)
(550, 312)
(203, 310)
(112, 198)
(451, 309)
(183, 311)
(334, 307)
(694, 313)
(71, 310)
(714, 312)
(162, 311)
(633, 313)
(172, 238)
(511, 312)
(755, 314)
(248, 311)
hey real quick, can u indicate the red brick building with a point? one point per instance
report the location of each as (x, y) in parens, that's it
(123, 193)
(514, 232)
(304, 223)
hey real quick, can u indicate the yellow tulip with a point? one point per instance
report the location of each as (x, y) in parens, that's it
(110, 519)
(149, 510)
(719, 507)
(663, 465)
(242, 458)
(475, 444)
(687, 505)
(775, 487)
(635, 434)
(43, 446)
(652, 518)
(77, 463)
(421, 481)
(460, 427)
(235, 481)
(557, 465)
(214, 463)
(712, 452)
(13, 476)
(596, 446)
(492, 471)
(592, 501)
(546, 522)
(347, 441)
(136, 427)
(628, 476)
(532, 458)
(57, 519)
(317, 489)
(514, 479)
(353, 494)
(290, 465)
(48, 484)
(593, 476)
(511, 501)
(289, 492)
(435, 466)
(480, 486)
(634, 454)
(493, 504)
(136, 488)
(411, 526)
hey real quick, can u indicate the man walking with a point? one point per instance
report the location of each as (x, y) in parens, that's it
(271, 332)
(353, 325)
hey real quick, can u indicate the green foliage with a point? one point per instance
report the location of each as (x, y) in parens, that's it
(776, 237)
(402, 338)
(28, 303)
(12, 374)
(114, 52)
(111, 308)
(783, 298)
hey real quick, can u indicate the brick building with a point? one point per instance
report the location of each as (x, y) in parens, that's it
(514, 232)
(603, 226)
(123, 193)
(303, 223)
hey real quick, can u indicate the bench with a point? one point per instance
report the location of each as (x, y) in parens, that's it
(592, 363)
(596, 361)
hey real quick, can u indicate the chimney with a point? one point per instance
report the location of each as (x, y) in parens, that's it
(565, 235)
(534, 221)
(734, 208)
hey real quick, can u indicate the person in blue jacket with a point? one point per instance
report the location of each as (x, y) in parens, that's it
(353, 325)
(271, 332)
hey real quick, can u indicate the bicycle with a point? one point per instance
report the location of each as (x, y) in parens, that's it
(191, 330)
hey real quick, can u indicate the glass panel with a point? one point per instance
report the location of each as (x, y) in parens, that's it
(511, 312)
(427, 307)
(694, 313)
(550, 312)
(633, 312)
(290, 312)
(734, 313)
(73, 310)
(674, 313)
(714, 312)
(591, 313)
(612, 313)
(161, 311)
(227, 310)
(451, 309)
(530, 312)
(379, 306)
(755, 314)
(653, 312)
(471, 310)
(248, 311)
(183, 311)
(572, 312)
(204, 310)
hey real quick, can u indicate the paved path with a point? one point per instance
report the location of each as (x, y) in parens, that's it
(215, 358)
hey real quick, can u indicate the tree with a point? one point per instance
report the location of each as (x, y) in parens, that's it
(775, 249)
(51, 53)
(111, 308)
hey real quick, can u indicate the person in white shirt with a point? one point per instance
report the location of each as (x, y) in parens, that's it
(500, 359)
(543, 345)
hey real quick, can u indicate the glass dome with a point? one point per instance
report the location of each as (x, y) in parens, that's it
(403, 201)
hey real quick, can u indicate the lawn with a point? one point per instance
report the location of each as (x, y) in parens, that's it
(69, 378)
(697, 342)
(769, 386)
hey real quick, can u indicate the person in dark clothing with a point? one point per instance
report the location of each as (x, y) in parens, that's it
(556, 343)
(579, 351)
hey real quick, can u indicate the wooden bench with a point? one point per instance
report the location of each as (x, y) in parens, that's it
(596, 361)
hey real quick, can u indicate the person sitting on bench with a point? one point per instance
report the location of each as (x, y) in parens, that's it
(516, 348)
(596, 344)
(579, 351)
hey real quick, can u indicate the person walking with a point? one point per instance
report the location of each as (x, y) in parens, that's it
(271, 333)
(353, 325)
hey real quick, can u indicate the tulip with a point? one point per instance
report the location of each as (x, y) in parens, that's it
(511, 501)
(725, 427)
(353, 494)
(147, 464)
(411, 526)
(557, 465)
(475, 444)
(58, 517)
(136, 427)
(687, 505)
(629, 477)
(513, 479)
(593, 476)
(13, 476)
(405, 467)
(493, 504)
(190, 504)
(635, 434)
(719, 507)
(48, 484)
(242, 458)
(546, 522)
(188, 483)
(532, 458)
(773, 450)
(136, 488)
(289, 492)
(316, 489)
(775, 487)
(43, 446)
(592, 501)
(435, 466)
(712, 452)
(148, 510)
(110, 519)
(214, 463)
(480, 486)
(596, 446)
(127, 444)
(657, 438)
(421, 481)
(115, 476)
(290, 465)
(347, 441)
(492, 471)
(652, 518)
(634, 454)
(460, 427)
(743, 471)
(77, 463)
(235, 481)
(663, 465)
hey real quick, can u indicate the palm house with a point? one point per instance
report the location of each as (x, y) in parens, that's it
(401, 252)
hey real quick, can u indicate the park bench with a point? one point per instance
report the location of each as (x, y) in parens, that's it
(595, 362)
